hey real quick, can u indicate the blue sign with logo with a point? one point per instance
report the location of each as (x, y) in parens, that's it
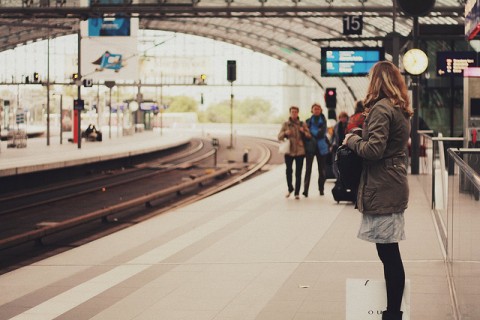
(108, 27)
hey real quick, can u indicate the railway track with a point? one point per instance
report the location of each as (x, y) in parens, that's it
(124, 197)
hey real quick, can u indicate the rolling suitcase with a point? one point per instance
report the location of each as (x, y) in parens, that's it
(340, 193)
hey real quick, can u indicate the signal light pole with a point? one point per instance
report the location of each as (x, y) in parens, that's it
(110, 85)
(231, 76)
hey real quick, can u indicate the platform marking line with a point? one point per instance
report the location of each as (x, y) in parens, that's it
(75, 296)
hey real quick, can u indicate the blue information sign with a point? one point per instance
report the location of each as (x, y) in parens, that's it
(349, 62)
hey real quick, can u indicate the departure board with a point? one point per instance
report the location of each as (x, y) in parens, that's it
(452, 63)
(349, 62)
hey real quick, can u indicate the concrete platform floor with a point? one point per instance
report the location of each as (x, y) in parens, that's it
(246, 253)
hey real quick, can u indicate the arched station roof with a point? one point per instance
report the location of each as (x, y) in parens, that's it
(289, 30)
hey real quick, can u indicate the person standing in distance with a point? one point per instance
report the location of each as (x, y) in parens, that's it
(356, 120)
(383, 190)
(339, 131)
(294, 130)
(317, 125)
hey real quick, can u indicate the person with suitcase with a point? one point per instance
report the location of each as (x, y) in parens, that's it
(383, 189)
(339, 131)
(349, 166)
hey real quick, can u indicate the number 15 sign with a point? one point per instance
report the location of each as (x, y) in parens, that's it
(352, 25)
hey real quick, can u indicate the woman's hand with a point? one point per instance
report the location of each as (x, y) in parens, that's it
(347, 136)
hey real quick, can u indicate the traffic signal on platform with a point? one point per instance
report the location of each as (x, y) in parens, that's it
(331, 98)
(36, 77)
(74, 76)
(231, 70)
(78, 104)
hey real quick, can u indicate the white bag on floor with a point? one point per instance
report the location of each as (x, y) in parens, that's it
(366, 299)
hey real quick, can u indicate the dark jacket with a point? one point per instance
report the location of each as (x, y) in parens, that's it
(383, 186)
(318, 130)
(297, 147)
(322, 129)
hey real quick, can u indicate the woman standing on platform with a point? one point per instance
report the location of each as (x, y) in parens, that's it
(317, 125)
(383, 190)
(295, 131)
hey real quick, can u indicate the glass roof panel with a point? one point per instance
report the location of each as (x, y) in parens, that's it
(288, 30)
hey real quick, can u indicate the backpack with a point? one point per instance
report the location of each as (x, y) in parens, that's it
(349, 166)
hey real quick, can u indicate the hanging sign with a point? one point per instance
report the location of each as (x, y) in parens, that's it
(352, 25)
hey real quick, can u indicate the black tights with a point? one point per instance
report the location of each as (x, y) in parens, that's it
(394, 274)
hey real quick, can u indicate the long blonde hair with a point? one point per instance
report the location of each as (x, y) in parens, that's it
(387, 82)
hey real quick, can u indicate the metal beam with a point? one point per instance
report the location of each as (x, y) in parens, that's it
(45, 25)
(165, 10)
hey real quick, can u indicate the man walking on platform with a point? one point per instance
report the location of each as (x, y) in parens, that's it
(295, 131)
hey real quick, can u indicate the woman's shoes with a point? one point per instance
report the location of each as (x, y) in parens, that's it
(297, 197)
(389, 315)
(305, 194)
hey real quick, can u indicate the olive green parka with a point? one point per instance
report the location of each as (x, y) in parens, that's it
(383, 187)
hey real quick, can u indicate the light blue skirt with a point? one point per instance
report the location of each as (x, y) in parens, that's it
(382, 228)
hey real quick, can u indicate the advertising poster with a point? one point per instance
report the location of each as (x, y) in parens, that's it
(106, 53)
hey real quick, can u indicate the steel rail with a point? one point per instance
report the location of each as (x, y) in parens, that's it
(110, 185)
(50, 229)
(68, 184)
(264, 159)
(471, 174)
(37, 235)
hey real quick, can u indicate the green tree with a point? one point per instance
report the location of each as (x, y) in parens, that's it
(182, 104)
(218, 113)
(254, 110)
(250, 110)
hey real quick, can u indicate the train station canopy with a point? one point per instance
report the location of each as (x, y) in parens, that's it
(292, 31)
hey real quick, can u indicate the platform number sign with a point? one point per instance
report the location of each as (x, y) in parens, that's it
(352, 25)
(87, 83)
